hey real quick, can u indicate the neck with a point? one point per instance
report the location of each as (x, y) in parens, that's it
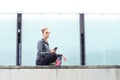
(45, 39)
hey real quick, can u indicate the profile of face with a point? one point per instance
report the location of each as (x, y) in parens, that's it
(46, 34)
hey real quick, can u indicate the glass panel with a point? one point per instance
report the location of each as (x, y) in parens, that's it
(64, 30)
(102, 39)
(111, 38)
(93, 39)
(8, 39)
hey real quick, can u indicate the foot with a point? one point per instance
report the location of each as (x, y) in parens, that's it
(58, 63)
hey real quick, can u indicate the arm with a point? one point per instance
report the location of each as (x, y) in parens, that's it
(61, 55)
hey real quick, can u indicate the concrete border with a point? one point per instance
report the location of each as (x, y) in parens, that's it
(62, 67)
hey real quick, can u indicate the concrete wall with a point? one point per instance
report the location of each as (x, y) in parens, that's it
(61, 73)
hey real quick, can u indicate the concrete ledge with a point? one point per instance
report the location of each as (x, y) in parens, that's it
(101, 72)
(63, 67)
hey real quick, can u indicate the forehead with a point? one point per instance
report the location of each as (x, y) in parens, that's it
(47, 30)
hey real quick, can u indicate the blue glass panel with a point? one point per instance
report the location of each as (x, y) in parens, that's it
(8, 39)
(102, 39)
(64, 30)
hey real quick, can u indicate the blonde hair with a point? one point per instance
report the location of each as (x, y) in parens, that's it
(43, 29)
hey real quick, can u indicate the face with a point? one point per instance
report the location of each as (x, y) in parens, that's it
(46, 34)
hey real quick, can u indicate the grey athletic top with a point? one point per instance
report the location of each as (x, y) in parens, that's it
(42, 49)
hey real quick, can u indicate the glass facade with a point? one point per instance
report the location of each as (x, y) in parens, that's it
(102, 39)
(64, 34)
(8, 39)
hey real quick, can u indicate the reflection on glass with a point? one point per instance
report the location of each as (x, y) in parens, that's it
(102, 39)
(8, 39)
(64, 30)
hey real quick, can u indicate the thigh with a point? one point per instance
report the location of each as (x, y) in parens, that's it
(42, 61)
(51, 58)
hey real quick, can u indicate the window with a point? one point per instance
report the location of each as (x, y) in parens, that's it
(64, 30)
(8, 39)
(102, 39)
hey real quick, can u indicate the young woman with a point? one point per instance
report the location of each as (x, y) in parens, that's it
(45, 56)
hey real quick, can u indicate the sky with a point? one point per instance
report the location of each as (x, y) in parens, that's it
(59, 6)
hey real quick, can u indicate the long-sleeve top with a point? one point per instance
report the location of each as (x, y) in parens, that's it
(42, 49)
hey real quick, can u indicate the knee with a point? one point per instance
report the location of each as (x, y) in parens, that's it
(55, 56)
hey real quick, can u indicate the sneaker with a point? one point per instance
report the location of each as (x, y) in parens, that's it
(58, 63)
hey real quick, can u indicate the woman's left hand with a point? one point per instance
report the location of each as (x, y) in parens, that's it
(64, 58)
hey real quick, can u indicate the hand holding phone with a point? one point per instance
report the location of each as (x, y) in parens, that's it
(54, 50)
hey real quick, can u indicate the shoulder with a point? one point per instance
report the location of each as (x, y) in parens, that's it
(41, 41)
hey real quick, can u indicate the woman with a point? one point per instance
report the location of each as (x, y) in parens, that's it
(45, 56)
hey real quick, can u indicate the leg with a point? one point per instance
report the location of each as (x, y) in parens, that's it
(58, 61)
(51, 58)
(47, 60)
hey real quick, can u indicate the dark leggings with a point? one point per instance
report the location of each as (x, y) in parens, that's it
(50, 58)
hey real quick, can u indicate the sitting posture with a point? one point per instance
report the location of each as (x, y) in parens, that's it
(45, 56)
